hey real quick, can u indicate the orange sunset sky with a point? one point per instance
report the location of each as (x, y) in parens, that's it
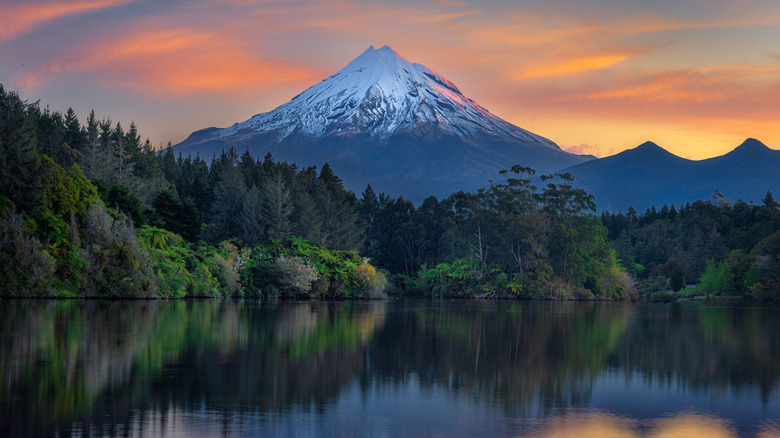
(695, 76)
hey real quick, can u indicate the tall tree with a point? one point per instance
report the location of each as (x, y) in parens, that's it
(228, 204)
(277, 208)
(252, 219)
(769, 200)
(20, 168)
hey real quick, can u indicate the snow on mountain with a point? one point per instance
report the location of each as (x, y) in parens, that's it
(397, 125)
(380, 93)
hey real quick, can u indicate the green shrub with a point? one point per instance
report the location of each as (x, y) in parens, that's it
(26, 267)
(717, 278)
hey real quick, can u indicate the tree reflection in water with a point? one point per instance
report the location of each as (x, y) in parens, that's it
(397, 367)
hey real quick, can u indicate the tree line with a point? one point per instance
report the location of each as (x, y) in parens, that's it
(725, 247)
(90, 210)
(92, 207)
(510, 239)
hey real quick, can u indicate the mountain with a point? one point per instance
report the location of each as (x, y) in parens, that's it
(397, 125)
(649, 175)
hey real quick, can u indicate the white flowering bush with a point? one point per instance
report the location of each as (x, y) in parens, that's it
(295, 273)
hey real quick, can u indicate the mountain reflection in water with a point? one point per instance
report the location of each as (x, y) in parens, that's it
(390, 368)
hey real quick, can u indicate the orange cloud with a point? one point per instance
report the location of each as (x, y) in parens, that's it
(577, 65)
(739, 86)
(19, 18)
(177, 61)
(561, 69)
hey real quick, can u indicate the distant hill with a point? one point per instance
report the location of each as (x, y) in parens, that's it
(649, 175)
(397, 125)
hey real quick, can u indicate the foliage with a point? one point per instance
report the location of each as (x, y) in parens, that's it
(743, 235)
(295, 273)
(507, 240)
(371, 281)
(113, 263)
(717, 279)
(676, 280)
(26, 267)
(20, 167)
(186, 269)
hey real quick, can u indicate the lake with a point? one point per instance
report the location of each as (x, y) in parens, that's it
(395, 368)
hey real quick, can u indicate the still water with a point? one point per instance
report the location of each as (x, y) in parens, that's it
(396, 368)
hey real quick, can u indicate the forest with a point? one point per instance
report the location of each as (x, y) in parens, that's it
(724, 248)
(90, 210)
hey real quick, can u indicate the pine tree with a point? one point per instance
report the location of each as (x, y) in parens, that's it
(329, 178)
(307, 219)
(74, 136)
(369, 205)
(20, 167)
(228, 203)
(251, 218)
(769, 200)
(90, 155)
(277, 208)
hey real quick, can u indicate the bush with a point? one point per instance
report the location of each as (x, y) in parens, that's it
(25, 267)
(717, 278)
(676, 280)
(370, 281)
(617, 284)
(118, 264)
(657, 283)
(295, 273)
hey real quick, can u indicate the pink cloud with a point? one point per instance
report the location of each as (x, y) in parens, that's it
(16, 19)
(176, 61)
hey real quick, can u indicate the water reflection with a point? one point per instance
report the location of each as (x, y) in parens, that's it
(597, 424)
(391, 368)
(525, 356)
(78, 362)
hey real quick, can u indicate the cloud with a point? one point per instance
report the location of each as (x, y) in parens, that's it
(212, 47)
(15, 19)
(736, 91)
(174, 61)
(570, 65)
(551, 64)
(589, 149)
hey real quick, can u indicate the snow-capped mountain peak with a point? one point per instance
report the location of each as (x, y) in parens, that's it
(400, 126)
(379, 94)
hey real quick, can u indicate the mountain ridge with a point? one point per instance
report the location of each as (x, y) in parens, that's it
(649, 175)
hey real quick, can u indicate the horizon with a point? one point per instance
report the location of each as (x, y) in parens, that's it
(596, 79)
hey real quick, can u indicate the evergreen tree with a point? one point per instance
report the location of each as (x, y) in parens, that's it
(228, 204)
(277, 208)
(90, 156)
(252, 219)
(166, 211)
(329, 178)
(307, 219)
(20, 168)
(769, 200)
(74, 136)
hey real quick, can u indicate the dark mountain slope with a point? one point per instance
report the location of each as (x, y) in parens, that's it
(649, 175)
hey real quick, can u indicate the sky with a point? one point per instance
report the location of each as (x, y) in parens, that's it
(696, 77)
